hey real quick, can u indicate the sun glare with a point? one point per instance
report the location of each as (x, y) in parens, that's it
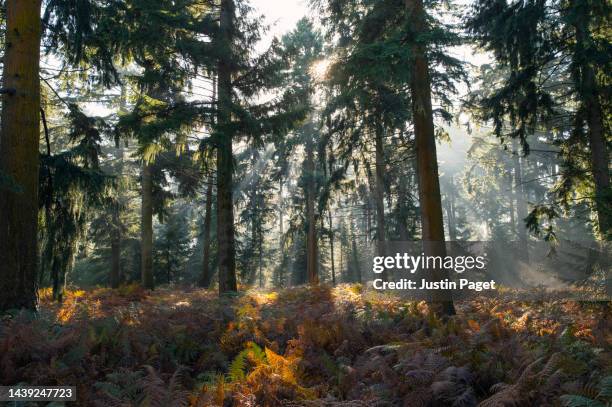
(320, 69)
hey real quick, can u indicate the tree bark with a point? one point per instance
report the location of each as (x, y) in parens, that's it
(402, 197)
(115, 249)
(380, 192)
(332, 248)
(281, 244)
(146, 243)
(19, 141)
(311, 222)
(341, 269)
(260, 256)
(331, 223)
(206, 275)
(356, 267)
(429, 184)
(225, 163)
(450, 212)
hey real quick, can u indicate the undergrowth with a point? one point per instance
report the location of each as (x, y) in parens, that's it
(345, 346)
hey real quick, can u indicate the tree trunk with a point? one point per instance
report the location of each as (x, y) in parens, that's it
(168, 266)
(511, 200)
(589, 93)
(402, 197)
(342, 273)
(225, 163)
(260, 259)
(600, 166)
(311, 222)
(281, 244)
(115, 250)
(331, 244)
(252, 264)
(521, 203)
(116, 276)
(380, 192)
(355, 256)
(331, 224)
(56, 286)
(450, 212)
(146, 243)
(19, 139)
(206, 275)
(429, 184)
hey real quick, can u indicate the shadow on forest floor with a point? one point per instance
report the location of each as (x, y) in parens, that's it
(304, 346)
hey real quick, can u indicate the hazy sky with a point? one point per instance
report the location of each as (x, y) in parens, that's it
(281, 14)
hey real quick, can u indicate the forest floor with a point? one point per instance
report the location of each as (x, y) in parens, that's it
(323, 346)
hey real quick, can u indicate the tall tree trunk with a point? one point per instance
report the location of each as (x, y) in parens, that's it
(56, 286)
(206, 275)
(341, 269)
(521, 203)
(330, 220)
(311, 222)
(225, 159)
(511, 201)
(402, 197)
(450, 212)
(356, 267)
(168, 267)
(427, 163)
(281, 244)
(331, 244)
(206, 278)
(589, 93)
(252, 265)
(117, 228)
(115, 249)
(146, 242)
(380, 192)
(19, 139)
(260, 259)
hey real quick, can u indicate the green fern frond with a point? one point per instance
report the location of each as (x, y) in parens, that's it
(580, 401)
(253, 353)
(236, 371)
(605, 387)
(603, 399)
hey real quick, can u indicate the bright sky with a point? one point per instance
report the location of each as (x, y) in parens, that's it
(281, 15)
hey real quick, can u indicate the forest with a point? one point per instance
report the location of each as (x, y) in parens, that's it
(197, 198)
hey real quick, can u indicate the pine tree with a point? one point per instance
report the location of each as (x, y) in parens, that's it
(556, 62)
(240, 78)
(225, 161)
(384, 48)
(304, 47)
(432, 223)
